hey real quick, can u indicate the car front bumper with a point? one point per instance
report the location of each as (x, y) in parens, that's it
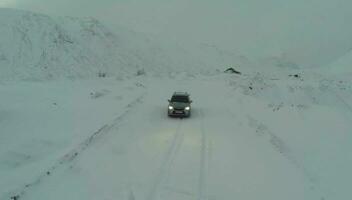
(181, 113)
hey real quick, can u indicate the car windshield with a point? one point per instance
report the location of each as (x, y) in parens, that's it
(183, 99)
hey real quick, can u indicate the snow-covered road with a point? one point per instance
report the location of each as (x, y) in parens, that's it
(234, 146)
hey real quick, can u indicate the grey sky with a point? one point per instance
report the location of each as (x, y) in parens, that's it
(308, 30)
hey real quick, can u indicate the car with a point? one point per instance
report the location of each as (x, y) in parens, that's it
(179, 105)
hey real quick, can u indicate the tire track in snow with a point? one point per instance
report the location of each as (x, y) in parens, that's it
(76, 151)
(281, 147)
(342, 100)
(203, 169)
(166, 164)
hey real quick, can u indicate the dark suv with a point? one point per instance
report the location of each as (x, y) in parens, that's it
(179, 105)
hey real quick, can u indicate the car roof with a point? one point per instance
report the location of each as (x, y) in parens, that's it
(180, 94)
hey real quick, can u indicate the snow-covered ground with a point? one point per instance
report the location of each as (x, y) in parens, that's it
(83, 116)
(250, 136)
(342, 65)
(40, 122)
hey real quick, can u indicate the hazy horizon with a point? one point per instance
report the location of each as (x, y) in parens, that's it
(309, 33)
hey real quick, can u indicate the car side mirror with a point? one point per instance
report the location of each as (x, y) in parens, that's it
(190, 101)
(169, 100)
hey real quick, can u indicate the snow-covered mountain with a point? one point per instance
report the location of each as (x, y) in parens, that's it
(39, 47)
(36, 46)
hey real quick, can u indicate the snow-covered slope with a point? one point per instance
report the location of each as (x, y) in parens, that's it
(341, 65)
(35, 46)
(38, 47)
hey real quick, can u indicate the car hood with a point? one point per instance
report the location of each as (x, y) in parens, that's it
(179, 105)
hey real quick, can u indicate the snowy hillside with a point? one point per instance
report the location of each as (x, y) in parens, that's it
(38, 47)
(341, 65)
(35, 46)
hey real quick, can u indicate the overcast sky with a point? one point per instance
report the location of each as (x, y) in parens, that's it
(312, 31)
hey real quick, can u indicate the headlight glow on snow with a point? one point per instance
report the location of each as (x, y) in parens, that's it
(170, 107)
(187, 108)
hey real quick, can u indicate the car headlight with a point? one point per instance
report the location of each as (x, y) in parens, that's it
(187, 108)
(171, 108)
